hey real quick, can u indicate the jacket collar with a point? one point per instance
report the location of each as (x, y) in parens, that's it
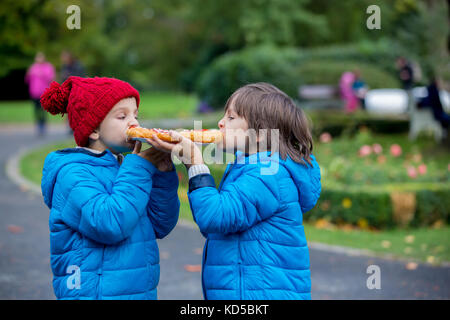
(93, 152)
(245, 158)
(119, 157)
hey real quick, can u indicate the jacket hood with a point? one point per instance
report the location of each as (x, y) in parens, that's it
(56, 160)
(307, 178)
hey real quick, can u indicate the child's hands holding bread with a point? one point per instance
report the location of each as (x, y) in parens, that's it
(185, 149)
(161, 160)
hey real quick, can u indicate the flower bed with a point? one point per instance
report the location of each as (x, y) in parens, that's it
(382, 181)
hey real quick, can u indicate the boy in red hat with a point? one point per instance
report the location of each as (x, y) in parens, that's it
(106, 210)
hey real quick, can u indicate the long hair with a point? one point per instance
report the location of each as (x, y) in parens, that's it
(264, 106)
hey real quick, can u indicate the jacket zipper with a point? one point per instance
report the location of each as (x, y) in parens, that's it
(241, 284)
(100, 275)
(203, 268)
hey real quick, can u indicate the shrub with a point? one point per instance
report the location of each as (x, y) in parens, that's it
(233, 70)
(287, 68)
(329, 72)
(337, 123)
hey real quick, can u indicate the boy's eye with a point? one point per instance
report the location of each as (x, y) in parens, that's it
(231, 118)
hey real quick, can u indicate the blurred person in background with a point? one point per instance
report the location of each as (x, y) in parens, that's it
(406, 76)
(346, 91)
(359, 88)
(405, 73)
(70, 66)
(433, 101)
(38, 77)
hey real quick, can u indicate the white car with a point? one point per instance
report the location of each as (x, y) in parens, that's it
(395, 101)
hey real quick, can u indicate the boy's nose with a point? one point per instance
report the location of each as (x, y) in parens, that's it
(221, 124)
(133, 123)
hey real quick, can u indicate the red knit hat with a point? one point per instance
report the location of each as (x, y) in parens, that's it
(87, 101)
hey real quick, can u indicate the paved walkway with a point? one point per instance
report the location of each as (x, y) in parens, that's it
(24, 251)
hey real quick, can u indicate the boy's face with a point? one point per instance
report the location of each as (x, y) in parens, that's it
(235, 131)
(112, 131)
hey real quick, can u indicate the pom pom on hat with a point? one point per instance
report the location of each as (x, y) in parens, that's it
(55, 98)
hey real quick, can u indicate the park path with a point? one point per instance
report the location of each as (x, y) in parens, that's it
(24, 250)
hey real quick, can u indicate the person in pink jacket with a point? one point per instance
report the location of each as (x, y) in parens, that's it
(39, 76)
(346, 92)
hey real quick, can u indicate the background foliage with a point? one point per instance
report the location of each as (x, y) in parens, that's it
(169, 44)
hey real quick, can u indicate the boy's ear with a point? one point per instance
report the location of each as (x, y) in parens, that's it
(94, 135)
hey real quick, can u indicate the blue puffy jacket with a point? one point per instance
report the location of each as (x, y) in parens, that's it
(104, 221)
(256, 246)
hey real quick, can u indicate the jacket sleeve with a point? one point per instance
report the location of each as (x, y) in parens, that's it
(239, 205)
(164, 206)
(106, 217)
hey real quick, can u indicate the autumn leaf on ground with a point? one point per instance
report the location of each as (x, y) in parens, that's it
(323, 224)
(409, 238)
(15, 229)
(386, 244)
(411, 266)
(193, 267)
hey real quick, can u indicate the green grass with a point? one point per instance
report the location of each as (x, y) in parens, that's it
(154, 105)
(427, 245)
(21, 112)
(32, 163)
(424, 244)
(157, 105)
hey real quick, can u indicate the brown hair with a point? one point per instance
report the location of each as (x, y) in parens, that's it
(264, 106)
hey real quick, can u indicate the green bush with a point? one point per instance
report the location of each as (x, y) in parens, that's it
(287, 68)
(233, 70)
(376, 208)
(330, 71)
(337, 123)
(382, 54)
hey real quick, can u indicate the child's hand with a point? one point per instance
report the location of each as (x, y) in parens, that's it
(186, 150)
(161, 160)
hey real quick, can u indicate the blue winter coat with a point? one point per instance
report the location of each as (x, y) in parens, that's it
(256, 246)
(104, 221)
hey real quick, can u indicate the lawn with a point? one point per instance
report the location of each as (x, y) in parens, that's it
(422, 244)
(154, 105)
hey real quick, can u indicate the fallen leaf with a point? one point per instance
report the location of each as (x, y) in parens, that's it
(164, 255)
(438, 224)
(193, 267)
(385, 244)
(431, 259)
(411, 266)
(323, 224)
(15, 229)
(407, 250)
(409, 238)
